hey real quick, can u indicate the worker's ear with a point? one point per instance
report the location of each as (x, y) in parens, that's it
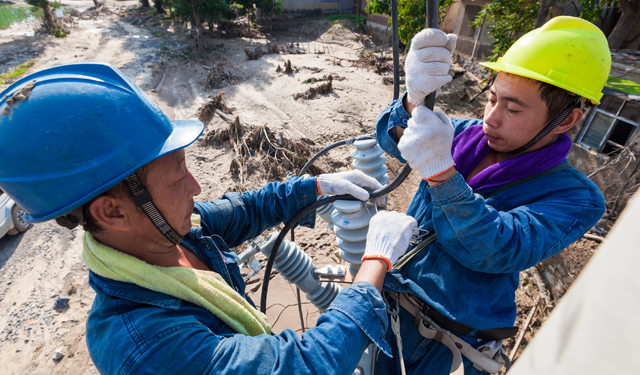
(572, 120)
(111, 213)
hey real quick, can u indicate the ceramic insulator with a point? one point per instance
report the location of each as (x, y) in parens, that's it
(351, 224)
(325, 212)
(297, 268)
(369, 159)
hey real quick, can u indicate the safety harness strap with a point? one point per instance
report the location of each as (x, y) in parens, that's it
(142, 198)
(430, 330)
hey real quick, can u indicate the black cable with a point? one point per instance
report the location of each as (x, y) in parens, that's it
(305, 211)
(300, 309)
(331, 147)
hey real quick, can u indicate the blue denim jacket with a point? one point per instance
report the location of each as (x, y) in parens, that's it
(133, 330)
(470, 273)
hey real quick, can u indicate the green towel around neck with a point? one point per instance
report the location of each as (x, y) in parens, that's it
(206, 289)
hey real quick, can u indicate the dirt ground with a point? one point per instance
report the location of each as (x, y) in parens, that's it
(43, 264)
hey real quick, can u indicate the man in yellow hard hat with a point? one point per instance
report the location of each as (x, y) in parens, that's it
(497, 195)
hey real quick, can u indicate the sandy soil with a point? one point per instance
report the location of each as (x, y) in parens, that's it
(44, 263)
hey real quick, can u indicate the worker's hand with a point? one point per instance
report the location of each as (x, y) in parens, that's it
(426, 142)
(389, 235)
(427, 64)
(353, 182)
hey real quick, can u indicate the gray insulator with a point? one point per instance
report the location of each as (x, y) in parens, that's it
(369, 159)
(325, 212)
(297, 268)
(351, 224)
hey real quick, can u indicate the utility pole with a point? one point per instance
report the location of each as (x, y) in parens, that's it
(432, 23)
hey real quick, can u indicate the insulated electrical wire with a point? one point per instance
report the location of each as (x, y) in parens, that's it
(306, 166)
(404, 172)
(432, 22)
(347, 141)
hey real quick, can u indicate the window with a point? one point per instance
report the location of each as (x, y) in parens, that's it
(611, 125)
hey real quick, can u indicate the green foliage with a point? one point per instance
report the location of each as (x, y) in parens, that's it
(55, 4)
(38, 3)
(209, 10)
(351, 17)
(58, 33)
(17, 71)
(273, 7)
(411, 15)
(592, 9)
(508, 20)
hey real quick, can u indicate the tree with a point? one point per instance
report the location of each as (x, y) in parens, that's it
(508, 20)
(412, 15)
(159, 5)
(248, 7)
(543, 13)
(630, 12)
(51, 24)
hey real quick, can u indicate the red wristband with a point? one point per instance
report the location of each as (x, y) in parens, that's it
(378, 257)
(436, 175)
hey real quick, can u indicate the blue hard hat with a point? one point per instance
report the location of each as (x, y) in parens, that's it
(70, 133)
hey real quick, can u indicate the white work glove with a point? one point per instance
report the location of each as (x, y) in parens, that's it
(427, 63)
(350, 182)
(426, 142)
(389, 235)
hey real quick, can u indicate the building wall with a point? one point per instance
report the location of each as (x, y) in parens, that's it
(449, 22)
(470, 42)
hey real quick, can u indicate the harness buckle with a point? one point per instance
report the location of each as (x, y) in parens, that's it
(395, 311)
(422, 315)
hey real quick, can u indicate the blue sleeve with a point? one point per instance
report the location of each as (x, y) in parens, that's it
(461, 124)
(395, 115)
(238, 217)
(355, 318)
(392, 116)
(485, 239)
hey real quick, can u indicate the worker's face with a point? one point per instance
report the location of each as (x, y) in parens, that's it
(514, 115)
(172, 188)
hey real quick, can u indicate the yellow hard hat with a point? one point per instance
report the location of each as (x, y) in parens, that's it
(566, 52)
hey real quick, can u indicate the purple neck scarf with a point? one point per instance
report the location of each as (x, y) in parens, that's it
(470, 147)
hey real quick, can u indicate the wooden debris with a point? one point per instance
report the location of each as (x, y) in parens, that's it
(523, 329)
(312, 92)
(593, 237)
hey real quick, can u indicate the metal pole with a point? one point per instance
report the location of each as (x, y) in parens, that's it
(396, 50)
(432, 23)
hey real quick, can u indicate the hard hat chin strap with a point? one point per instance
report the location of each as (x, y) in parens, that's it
(72, 219)
(142, 199)
(550, 126)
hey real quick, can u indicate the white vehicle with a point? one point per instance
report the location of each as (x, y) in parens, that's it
(11, 216)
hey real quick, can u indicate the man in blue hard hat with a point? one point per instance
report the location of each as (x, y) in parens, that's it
(83, 145)
(497, 194)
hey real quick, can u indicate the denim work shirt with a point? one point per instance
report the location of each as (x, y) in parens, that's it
(471, 272)
(133, 330)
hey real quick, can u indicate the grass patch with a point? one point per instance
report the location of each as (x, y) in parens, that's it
(351, 17)
(17, 71)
